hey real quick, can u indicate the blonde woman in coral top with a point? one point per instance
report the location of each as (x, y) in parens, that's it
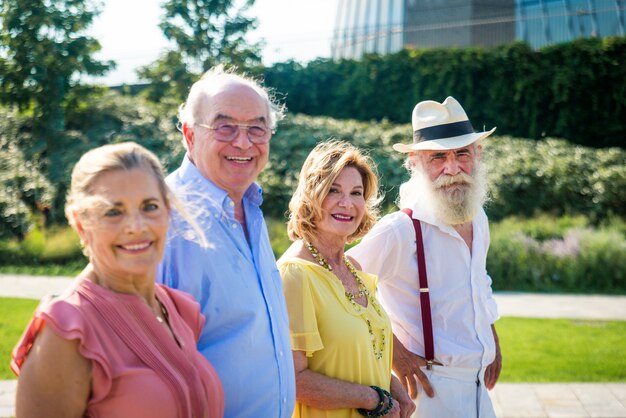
(115, 343)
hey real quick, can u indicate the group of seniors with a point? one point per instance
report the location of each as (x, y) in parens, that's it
(183, 311)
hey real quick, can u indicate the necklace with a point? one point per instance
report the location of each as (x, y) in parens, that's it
(322, 262)
(160, 318)
(351, 297)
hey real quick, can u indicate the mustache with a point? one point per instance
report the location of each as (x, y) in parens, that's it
(447, 180)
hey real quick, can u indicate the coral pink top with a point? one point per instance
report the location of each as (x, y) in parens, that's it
(138, 369)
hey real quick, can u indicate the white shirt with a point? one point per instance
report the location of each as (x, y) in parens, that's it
(461, 299)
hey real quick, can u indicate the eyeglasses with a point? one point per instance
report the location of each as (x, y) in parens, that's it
(227, 132)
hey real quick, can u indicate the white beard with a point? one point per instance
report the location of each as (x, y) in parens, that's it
(453, 205)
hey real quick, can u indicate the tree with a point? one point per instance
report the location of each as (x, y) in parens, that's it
(204, 33)
(43, 49)
(24, 190)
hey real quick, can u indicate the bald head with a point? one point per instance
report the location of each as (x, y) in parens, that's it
(214, 84)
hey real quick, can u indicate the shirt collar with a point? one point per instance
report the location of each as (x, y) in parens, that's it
(191, 176)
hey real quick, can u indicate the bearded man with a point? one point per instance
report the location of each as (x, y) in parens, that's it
(441, 307)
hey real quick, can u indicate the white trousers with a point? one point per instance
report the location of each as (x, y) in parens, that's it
(459, 393)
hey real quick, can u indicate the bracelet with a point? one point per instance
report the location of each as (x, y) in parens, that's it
(389, 405)
(380, 409)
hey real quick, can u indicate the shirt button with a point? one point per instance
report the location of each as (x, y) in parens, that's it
(280, 353)
(284, 400)
(234, 225)
(270, 308)
(231, 203)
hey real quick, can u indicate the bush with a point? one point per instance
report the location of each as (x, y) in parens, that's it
(526, 177)
(564, 255)
(25, 193)
(43, 249)
(277, 230)
(554, 176)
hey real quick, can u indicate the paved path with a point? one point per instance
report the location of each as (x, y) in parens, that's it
(511, 400)
(536, 305)
(541, 305)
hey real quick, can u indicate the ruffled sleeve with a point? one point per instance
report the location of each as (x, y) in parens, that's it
(66, 320)
(301, 306)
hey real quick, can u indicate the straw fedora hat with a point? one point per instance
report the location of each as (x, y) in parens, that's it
(441, 126)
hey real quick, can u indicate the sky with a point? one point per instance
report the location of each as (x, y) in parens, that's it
(292, 29)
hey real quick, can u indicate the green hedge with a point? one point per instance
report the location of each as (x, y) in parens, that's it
(572, 90)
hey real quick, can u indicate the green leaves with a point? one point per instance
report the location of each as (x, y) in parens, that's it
(25, 192)
(571, 90)
(554, 176)
(203, 33)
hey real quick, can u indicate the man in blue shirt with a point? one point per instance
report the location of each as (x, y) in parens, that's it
(227, 123)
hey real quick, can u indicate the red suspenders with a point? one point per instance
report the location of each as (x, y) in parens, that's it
(427, 322)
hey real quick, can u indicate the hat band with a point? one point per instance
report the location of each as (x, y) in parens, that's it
(447, 130)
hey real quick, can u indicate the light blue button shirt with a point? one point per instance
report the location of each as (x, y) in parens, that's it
(236, 282)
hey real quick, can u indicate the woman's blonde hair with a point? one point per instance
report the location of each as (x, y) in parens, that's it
(319, 172)
(112, 157)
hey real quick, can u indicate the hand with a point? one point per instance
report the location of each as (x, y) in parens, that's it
(395, 410)
(406, 366)
(407, 406)
(492, 373)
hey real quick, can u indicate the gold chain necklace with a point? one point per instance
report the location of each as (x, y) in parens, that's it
(351, 297)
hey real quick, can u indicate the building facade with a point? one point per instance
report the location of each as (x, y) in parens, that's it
(386, 26)
(545, 22)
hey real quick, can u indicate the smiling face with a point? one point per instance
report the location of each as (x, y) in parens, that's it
(125, 230)
(344, 206)
(232, 166)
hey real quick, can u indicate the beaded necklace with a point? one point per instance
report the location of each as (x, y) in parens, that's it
(351, 297)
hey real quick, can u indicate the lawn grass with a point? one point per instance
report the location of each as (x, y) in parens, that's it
(534, 350)
(14, 315)
(562, 350)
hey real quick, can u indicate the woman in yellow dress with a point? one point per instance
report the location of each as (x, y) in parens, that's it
(340, 336)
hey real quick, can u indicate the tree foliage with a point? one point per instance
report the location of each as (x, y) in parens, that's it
(25, 192)
(95, 116)
(203, 33)
(44, 48)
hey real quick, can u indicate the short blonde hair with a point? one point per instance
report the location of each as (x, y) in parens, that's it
(319, 172)
(113, 157)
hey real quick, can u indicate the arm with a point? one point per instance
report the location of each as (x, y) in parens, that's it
(55, 380)
(323, 392)
(406, 366)
(493, 370)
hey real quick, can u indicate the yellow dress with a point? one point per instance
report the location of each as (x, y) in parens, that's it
(333, 332)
